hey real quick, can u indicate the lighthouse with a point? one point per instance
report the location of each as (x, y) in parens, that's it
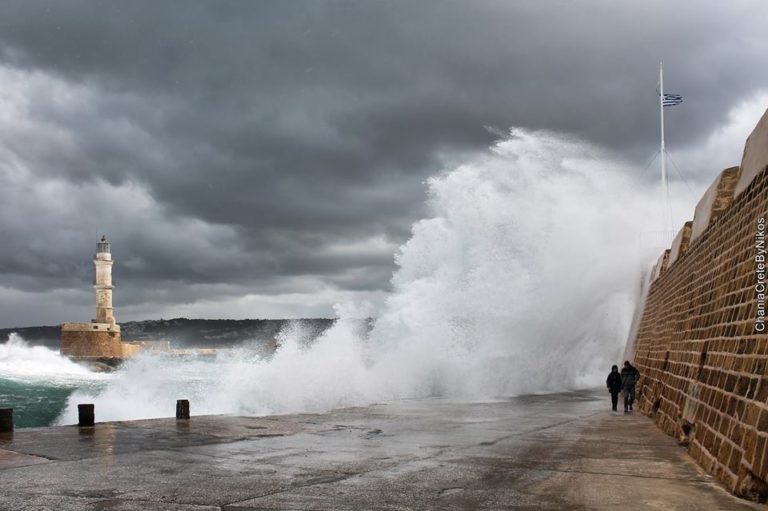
(103, 282)
(100, 339)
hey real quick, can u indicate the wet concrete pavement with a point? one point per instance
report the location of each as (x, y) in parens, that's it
(561, 452)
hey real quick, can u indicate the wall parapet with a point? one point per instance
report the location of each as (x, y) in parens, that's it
(715, 201)
(681, 243)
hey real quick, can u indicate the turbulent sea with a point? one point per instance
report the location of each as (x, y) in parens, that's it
(38, 403)
(522, 279)
(37, 382)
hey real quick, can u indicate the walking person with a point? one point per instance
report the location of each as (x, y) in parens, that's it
(614, 386)
(629, 377)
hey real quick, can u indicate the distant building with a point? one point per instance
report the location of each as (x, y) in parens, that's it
(98, 340)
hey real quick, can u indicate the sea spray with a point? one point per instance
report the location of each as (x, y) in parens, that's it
(20, 361)
(301, 376)
(522, 280)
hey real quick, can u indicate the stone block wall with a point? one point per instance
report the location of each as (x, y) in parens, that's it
(83, 341)
(704, 365)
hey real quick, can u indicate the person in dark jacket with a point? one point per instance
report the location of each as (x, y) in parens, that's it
(614, 386)
(629, 377)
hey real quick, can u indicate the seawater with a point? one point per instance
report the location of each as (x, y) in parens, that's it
(37, 382)
(36, 403)
(522, 279)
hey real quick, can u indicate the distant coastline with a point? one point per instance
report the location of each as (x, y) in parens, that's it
(184, 332)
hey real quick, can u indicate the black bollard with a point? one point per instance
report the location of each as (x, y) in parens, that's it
(85, 416)
(6, 420)
(182, 409)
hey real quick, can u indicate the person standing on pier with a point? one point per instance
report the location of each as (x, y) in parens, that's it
(629, 377)
(614, 386)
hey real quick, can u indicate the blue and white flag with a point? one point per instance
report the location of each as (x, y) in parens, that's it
(672, 99)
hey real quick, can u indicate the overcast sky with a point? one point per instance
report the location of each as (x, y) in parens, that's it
(266, 159)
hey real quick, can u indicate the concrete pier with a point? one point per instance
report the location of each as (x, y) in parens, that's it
(558, 452)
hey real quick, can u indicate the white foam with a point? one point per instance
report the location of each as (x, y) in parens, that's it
(22, 362)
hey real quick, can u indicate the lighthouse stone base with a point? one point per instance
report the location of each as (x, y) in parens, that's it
(94, 342)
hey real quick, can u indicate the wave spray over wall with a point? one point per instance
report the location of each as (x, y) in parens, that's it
(522, 280)
(21, 362)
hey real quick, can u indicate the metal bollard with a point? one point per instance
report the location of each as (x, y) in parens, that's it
(182, 409)
(6, 420)
(85, 415)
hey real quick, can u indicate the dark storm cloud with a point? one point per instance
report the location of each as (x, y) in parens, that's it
(245, 142)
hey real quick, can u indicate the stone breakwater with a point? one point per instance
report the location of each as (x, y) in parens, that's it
(701, 343)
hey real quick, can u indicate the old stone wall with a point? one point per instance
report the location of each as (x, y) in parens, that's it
(699, 346)
(94, 341)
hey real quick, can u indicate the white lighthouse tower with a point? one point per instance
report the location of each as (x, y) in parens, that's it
(103, 283)
(100, 339)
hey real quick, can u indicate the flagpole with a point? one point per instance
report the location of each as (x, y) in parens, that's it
(667, 214)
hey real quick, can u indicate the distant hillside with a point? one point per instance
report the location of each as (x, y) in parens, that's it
(196, 333)
(37, 335)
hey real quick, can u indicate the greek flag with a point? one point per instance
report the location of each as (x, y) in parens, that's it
(672, 99)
